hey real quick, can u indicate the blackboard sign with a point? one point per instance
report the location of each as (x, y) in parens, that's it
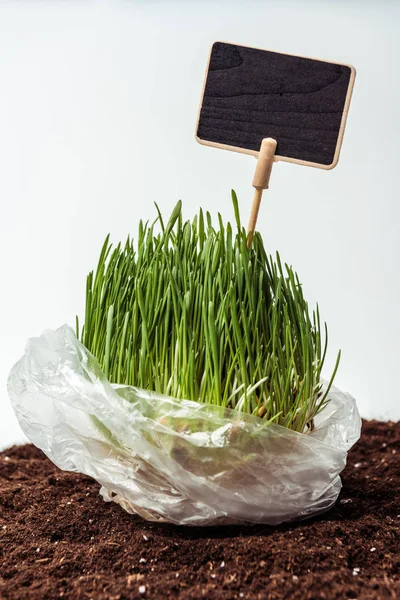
(251, 94)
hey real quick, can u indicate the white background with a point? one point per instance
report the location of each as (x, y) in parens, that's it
(98, 103)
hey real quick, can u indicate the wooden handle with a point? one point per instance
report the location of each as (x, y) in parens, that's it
(254, 216)
(260, 182)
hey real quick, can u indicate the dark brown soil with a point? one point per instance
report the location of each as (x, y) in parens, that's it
(59, 539)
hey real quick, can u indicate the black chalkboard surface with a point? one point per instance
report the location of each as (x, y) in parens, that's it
(251, 94)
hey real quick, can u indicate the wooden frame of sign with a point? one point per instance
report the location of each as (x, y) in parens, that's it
(275, 106)
(306, 85)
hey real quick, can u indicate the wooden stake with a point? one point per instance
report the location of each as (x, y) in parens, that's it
(260, 182)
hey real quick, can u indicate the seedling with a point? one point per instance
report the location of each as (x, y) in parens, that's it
(192, 312)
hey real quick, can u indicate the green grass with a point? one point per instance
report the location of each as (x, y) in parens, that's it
(191, 312)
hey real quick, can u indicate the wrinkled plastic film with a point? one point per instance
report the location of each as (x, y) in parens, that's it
(171, 460)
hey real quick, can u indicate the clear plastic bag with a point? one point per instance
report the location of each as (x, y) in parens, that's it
(170, 460)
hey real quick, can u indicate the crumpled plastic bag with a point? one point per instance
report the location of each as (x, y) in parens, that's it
(176, 461)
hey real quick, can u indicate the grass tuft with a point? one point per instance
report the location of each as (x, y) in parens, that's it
(191, 312)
